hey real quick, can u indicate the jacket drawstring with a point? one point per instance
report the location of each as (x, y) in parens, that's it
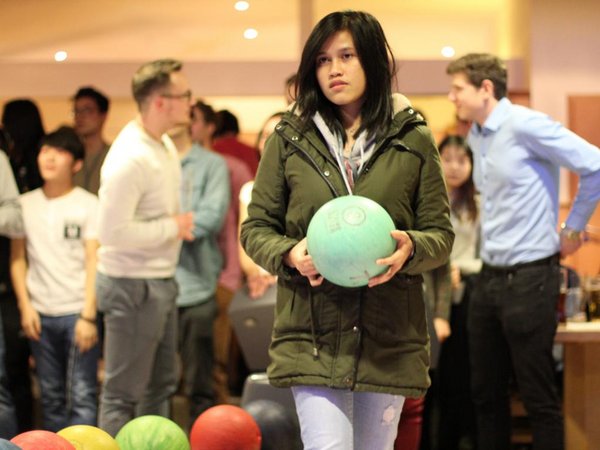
(313, 332)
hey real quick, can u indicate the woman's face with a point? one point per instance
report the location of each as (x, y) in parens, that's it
(340, 73)
(200, 130)
(267, 131)
(456, 165)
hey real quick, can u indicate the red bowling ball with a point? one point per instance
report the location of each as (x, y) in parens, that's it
(225, 427)
(41, 440)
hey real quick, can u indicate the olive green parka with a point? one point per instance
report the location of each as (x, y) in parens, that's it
(364, 339)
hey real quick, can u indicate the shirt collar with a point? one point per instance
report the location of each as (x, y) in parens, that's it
(498, 115)
(193, 154)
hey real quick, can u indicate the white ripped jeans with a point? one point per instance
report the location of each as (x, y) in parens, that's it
(340, 419)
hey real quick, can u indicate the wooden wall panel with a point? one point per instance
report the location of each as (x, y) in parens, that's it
(584, 117)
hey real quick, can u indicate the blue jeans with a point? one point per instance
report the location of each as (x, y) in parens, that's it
(512, 322)
(8, 419)
(339, 419)
(68, 378)
(140, 348)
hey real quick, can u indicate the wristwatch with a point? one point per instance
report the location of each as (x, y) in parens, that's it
(569, 233)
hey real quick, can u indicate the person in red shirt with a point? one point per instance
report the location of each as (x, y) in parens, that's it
(226, 141)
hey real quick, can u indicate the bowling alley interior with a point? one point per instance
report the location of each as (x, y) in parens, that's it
(237, 56)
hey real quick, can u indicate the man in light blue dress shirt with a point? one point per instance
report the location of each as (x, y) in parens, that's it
(512, 319)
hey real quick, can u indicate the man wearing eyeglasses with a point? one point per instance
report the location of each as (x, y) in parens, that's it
(90, 109)
(140, 231)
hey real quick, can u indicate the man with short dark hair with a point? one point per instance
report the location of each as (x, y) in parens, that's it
(53, 268)
(140, 231)
(90, 108)
(512, 316)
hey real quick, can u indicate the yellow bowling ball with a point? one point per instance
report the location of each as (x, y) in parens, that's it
(87, 437)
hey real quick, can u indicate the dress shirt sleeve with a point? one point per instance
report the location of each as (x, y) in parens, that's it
(210, 207)
(550, 140)
(11, 222)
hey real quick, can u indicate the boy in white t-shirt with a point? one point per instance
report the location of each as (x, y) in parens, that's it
(53, 267)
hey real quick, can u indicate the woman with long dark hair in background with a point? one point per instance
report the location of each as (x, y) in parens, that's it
(22, 121)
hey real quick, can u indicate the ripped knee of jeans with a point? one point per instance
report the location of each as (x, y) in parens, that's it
(389, 415)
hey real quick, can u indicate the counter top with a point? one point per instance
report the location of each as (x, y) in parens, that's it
(578, 332)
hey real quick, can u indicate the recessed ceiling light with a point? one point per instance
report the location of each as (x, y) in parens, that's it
(448, 51)
(250, 33)
(242, 6)
(60, 56)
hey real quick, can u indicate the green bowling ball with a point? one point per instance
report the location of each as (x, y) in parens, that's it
(152, 433)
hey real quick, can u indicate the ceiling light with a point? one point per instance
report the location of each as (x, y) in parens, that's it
(448, 52)
(60, 56)
(250, 33)
(241, 6)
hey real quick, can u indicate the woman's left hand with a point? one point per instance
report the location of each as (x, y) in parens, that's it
(397, 259)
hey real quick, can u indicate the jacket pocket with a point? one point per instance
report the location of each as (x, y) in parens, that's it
(396, 313)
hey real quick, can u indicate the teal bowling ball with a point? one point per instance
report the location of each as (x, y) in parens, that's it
(346, 236)
(7, 445)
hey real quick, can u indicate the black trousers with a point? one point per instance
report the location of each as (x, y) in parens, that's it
(512, 322)
(17, 353)
(457, 415)
(196, 350)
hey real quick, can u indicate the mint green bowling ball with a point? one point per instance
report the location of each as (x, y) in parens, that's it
(346, 236)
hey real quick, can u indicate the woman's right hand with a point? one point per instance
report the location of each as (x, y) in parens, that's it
(299, 259)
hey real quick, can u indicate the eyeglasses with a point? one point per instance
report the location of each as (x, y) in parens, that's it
(85, 111)
(186, 95)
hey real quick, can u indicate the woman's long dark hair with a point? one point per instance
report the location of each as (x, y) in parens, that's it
(377, 61)
(464, 198)
(22, 120)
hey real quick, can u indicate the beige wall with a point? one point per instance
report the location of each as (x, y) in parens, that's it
(565, 44)
(251, 111)
(560, 38)
(109, 42)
